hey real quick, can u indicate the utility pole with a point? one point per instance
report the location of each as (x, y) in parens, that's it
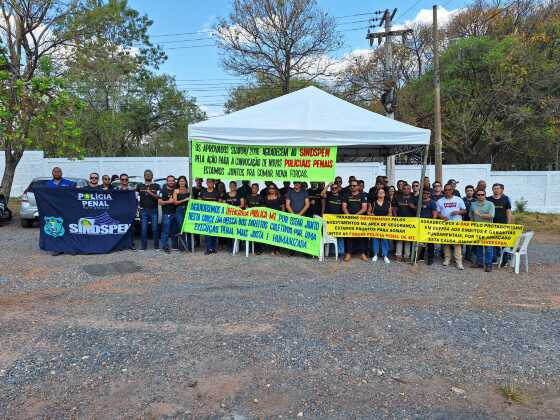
(389, 97)
(437, 104)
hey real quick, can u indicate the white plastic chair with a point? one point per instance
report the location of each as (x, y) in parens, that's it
(236, 247)
(519, 249)
(326, 241)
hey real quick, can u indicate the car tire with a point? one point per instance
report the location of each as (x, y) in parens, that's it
(27, 223)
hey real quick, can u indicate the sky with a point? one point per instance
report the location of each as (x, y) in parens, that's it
(181, 27)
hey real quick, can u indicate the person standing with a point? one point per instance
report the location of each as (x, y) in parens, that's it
(232, 197)
(93, 180)
(454, 183)
(297, 200)
(404, 205)
(381, 206)
(58, 181)
(314, 195)
(428, 211)
(284, 190)
(451, 208)
(481, 185)
(348, 189)
(416, 189)
(273, 200)
(264, 191)
(503, 215)
(332, 204)
(210, 194)
(197, 188)
(245, 189)
(148, 193)
(123, 186)
(355, 203)
(468, 200)
(254, 199)
(181, 201)
(436, 191)
(482, 211)
(168, 217)
(106, 183)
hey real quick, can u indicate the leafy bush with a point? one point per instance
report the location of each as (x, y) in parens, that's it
(521, 205)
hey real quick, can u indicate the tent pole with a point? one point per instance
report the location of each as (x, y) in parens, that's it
(189, 151)
(419, 207)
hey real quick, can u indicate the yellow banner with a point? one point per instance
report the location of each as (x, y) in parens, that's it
(347, 226)
(468, 233)
(422, 230)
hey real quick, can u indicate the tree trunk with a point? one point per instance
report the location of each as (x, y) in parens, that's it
(11, 160)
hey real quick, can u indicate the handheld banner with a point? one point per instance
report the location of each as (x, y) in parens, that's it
(422, 230)
(263, 163)
(347, 226)
(258, 224)
(84, 220)
(468, 233)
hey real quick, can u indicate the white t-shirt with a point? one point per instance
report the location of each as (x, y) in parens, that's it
(446, 206)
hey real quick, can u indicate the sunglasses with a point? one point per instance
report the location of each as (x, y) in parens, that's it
(105, 179)
(481, 194)
(124, 179)
(93, 177)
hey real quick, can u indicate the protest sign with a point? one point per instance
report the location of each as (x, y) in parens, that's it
(85, 221)
(263, 163)
(258, 224)
(348, 225)
(422, 230)
(468, 233)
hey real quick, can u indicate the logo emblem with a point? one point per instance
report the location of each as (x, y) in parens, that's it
(53, 226)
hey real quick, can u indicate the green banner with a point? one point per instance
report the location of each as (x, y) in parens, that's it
(258, 224)
(263, 163)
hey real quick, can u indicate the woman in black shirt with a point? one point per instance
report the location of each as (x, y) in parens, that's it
(181, 199)
(381, 206)
(232, 197)
(273, 200)
(254, 199)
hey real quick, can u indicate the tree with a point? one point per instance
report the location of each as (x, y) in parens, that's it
(279, 39)
(39, 37)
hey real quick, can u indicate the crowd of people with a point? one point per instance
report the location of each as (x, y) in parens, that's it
(437, 202)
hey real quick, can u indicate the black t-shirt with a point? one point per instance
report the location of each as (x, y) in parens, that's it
(427, 209)
(166, 194)
(244, 191)
(381, 210)
(501, 205)
(275, 204)
(146, 200)
(401, 203)
(284, 191)
(182, 196)
(333, 203)
(254, 200)
(213, 195)
(314, 196)
(354, 202)
(468, 202)
(233, 201)
(437, 197)
(196, 192)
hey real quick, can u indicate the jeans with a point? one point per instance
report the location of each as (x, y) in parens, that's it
(145, 216)
(211, 243)
(484, 255)
(384, 247)
(168, 228)
(403, 249)
(180, 216)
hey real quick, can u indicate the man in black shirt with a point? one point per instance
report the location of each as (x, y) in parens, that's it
(314, 195)
(245, 189)
(264, 191)
(468, 199)
(502, 215)
(348, 188)
(93, 180)
(284, 190)
(355, 203)
(197, 188)
(210, 194)
(404, 205)
(332, 204)
(148, 193)
(255, 199)
(168, 219)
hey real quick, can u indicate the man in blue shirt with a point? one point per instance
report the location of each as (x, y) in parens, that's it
(57, 181)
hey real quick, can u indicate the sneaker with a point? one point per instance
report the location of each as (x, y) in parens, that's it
(488, 268)
(143, 248)
(208, 252)
(132, 248)
(166, 250)
(347, 257)
(504, 263)
(387, 260)
(460, 266)
(446, 262)
(363, 257)
(57, 253)
(374, 259)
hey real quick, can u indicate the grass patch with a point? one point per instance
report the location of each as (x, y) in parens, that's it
(538, 222)
(512, 394)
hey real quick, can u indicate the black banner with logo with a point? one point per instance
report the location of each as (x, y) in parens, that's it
(85, 221)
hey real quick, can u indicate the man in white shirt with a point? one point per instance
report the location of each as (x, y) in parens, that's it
(451, 208)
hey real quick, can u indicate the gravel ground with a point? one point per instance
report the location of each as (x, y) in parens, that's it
(194, 336)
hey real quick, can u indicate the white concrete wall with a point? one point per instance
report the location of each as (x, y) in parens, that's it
(540, 189)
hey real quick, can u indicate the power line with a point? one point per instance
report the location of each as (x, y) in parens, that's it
(189, 47)
(407, 11)
(357, 14)
(183, 33)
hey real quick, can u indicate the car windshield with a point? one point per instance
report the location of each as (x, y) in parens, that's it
(37, 183)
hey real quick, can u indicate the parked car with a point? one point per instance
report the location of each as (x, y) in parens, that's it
(28, 212)
(5, 212)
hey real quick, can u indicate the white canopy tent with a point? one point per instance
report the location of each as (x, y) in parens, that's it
(309, 117)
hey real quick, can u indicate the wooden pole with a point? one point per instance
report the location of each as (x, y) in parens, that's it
(437, 104)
